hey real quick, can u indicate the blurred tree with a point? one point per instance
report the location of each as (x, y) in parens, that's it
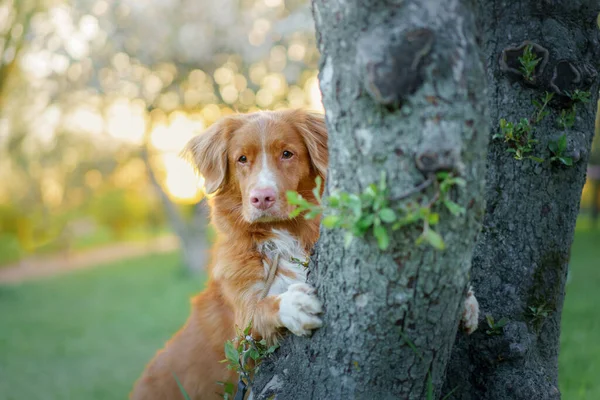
(15, 21)
(547, 51)
(82, 75)
(191, 231)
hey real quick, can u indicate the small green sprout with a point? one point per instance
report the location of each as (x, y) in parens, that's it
(542, 112)
(371, 211)
(228, 390)
(566, 119)
(303, 263)
(311, 210)
(558, 148)
(528, 63)
(518, 137)
(538, 314)
(580, 96)
(496, 328)
(245, 357)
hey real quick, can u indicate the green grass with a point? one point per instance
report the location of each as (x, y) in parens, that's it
(88, 335)
(579, 360)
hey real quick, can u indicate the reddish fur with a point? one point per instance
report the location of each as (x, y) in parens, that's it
(232, 295)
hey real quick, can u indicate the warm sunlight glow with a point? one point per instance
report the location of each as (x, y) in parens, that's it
(181, 180)
(314, 94)
(84, 119)
(172, 136)
(125, 120)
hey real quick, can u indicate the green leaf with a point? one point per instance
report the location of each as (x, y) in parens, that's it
(370, 191)
(253, 354)
(383, 239)
(348, 237)
(231, 353)
(355, 203)
(292, 197)
(333, 200)
(406, 220)
(454, 208)
(566, 160)
(387, 215)
(331, 221)
(228, 387)
(490, 320)
(536, 159)
(442, 176)
(314, 213)
(562, 143)
(317, 189)
(245, 356)
(434, 218)
(429, 386)
(501, 323)
(459, 182)
(553, 146)
(434, 239)
(295, 212)
(365, 222)
(181, 388)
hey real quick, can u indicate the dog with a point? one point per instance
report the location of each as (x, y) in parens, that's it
(249, 162)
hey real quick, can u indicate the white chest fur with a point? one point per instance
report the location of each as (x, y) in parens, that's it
(291, 255)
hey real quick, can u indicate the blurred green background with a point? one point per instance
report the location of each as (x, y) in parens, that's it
(103, 231)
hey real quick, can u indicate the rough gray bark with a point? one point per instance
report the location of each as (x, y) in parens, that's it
(521, 259)
(404, 91)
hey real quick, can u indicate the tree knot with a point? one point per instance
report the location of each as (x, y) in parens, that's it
(391, 62)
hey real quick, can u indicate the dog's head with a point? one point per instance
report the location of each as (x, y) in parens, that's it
(251, 160)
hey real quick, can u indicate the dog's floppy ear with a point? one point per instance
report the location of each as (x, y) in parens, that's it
(208, 152)
(314, 131)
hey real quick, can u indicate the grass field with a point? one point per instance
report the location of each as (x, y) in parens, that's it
(579, 371)
(87, 335)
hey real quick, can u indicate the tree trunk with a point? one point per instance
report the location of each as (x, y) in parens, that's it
(192, 234)
(404, 91)
(521, 259)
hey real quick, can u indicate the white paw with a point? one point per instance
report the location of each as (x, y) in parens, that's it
(470, 316)
(298, 307)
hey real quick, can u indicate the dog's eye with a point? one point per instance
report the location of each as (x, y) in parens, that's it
(287, 154)
(242, 159)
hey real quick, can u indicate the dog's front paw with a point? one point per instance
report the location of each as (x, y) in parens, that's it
(470, 316)
(298, 307)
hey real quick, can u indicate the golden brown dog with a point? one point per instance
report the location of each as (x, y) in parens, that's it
(249, 162)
